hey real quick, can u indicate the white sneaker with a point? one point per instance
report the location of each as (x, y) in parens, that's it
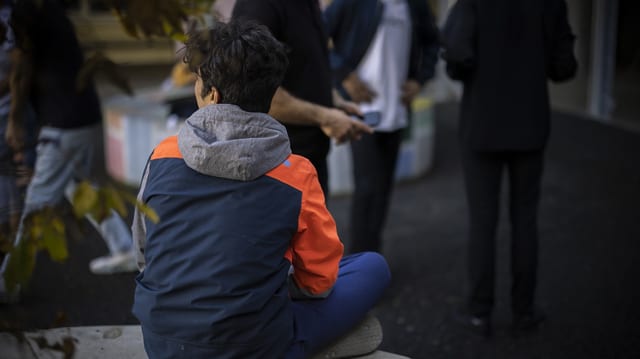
(115, 263)
(364, 339)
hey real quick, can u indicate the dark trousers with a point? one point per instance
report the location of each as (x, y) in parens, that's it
(374, 162)
(483, 173)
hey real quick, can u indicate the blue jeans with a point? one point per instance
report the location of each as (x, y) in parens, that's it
(362, 279)
(64, 157)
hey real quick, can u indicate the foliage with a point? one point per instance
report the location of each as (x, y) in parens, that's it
(148, 18)
(99, 63)
(44, 230)
(144, 19)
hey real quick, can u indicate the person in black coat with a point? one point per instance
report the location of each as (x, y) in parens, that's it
(504, 51)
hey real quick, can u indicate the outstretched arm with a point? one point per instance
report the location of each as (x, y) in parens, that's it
(334, 122)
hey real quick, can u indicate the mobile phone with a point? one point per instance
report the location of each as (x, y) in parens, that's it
(372, 118)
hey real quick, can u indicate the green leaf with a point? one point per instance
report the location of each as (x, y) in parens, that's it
(127, 24)
(98, 64)
(100, 212)
(20, 264)
(148, 211)
(181, 37)
(54, 240)
(142, 207)
(114, 200)
(84, 199)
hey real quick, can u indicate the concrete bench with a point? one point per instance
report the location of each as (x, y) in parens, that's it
(94, 342)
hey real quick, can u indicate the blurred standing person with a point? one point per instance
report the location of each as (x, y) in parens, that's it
(69, 143)
(305, 101)
(383, 53)
(9, 195)
(504, 51)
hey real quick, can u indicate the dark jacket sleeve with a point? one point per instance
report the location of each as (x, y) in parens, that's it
(559, 40)
(334, 19)
(459, 40)
(351, 25)
(425, 43)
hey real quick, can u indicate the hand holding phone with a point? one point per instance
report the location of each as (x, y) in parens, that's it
(371, 119)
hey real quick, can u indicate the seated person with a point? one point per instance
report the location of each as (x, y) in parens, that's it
(245, 260)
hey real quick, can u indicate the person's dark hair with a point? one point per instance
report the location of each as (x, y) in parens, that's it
(241, 59)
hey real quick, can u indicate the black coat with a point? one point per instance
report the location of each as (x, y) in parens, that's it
(504, 51)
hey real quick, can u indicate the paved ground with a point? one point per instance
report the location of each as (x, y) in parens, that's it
(590, 228)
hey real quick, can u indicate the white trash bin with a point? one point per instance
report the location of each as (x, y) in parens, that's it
(133, 128)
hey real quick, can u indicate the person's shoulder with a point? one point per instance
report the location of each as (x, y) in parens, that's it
(167, 148)
(296, 171)
(298, 163)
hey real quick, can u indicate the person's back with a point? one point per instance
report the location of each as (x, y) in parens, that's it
(245, 257)
(504, 51)
(510, 70)
(227, 227)
(507, 89)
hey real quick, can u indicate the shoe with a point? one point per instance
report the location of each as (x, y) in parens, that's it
(364, 339)
(115, 263)
(527, 323)
(7, 297)
(480, 325)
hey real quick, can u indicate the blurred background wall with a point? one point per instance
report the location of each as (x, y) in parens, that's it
(607, 87)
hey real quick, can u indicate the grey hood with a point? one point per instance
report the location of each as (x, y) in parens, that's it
(222, 140)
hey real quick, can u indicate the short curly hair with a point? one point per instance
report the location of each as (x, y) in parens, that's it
(241, 59)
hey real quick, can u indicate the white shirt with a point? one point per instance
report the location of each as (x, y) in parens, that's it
(385, 65)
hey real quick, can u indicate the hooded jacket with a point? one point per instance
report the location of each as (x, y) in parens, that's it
(237, 210)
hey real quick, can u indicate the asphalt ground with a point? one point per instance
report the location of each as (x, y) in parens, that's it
(588, 274)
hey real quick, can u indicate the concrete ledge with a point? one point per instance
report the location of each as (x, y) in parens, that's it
(13, 346)
(98, 342)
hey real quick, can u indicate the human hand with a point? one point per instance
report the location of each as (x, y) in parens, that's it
(341, 126)
(357, 89)
(410, 90)
(349, 107)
